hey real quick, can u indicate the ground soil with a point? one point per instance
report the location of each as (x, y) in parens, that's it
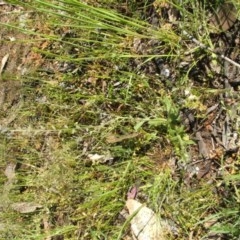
(15, 51)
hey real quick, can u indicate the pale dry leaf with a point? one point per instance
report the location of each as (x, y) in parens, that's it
(97, 158)
(25, 207)
(12, 39)
(10, 171)
(145, 224)
(172, 15)
(4, 62)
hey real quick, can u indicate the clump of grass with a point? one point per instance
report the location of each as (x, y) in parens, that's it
(226, 219)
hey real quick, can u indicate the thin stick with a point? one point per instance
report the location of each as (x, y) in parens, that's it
(201, 45)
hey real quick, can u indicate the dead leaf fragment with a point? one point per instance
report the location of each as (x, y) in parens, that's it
(116, 139)
(96, 158)
(223, 18)
(25, 207)
(10, 171)
(4, 62)
(145, 224)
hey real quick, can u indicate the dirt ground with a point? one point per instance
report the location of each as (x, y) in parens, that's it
(16, 62)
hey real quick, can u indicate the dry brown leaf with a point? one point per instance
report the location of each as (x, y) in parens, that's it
(223, 18)
(4, 62)
(145, 224)
(25, 207)
(116, 139)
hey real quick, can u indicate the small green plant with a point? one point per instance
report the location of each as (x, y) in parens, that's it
(227, 221)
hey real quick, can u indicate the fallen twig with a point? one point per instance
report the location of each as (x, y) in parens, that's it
(203, 46)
